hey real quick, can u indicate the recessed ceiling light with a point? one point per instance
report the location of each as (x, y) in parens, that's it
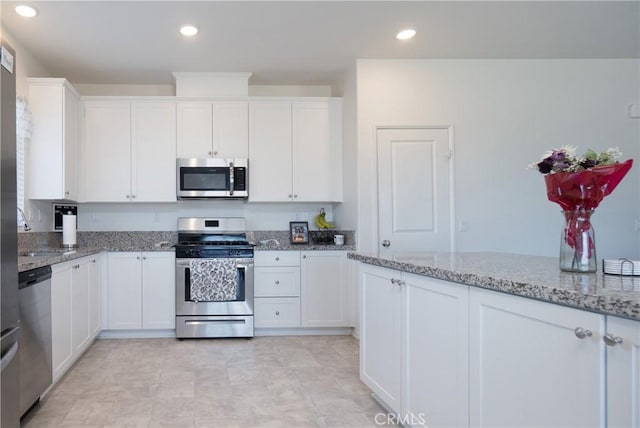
(406, 34)
(26, 11)
(188, 30)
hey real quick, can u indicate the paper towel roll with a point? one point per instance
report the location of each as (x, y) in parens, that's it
(68, 230)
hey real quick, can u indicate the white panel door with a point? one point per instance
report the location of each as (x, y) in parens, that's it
(623, 373)
(231, 129)
(324, 290)
(529, 368)
(124, 291)
(317, 153)
(381, 334)
(413, 190)
(194, 127)
(270, 151)
(436, 352)
(80, 305)
(154, 152)
(158, 290)
(107, 152)
(61, 336)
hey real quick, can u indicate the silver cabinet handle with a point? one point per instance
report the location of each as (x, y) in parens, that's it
(290, 195)
(277, 258)
(612, 340)
(144, 258)
(66, 193)
(215, 152)
(401, 283)
(304, 257)
(277, 282)
(133, 196)
(210, 152)
(386, 243)
(581, 333)
(277, 313)
(128, 196)
(295, 196)
(138, 258)
(393, 280)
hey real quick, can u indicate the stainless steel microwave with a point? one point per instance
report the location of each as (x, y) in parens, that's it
(211, 178)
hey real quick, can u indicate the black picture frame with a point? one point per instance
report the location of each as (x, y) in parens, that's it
(299, 231)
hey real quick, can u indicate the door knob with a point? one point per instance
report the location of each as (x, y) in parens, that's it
(386, 243)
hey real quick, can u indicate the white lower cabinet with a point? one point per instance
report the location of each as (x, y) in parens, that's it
(530, 366)
(414, 346)
(141, 290)
(623, 372)
(381, 335)
(438, 353)
(324, 291)
(435, 352)
(302, 289)
(277, 289)
(75, 310)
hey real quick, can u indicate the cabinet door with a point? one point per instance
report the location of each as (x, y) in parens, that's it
(80, 305)
(317, 153)
(324, 290)
(95, 296)
(158, 290)
(436, 352)
(381, 335)
(61, 337)
(124, 291)
(107, 152)
(623, 373)
(528, 367)
(231, 129)
(71, 131)
(154, 152)
(195, 137)
(270, 151)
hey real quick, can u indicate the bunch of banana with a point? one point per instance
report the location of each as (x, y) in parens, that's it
(321, 222)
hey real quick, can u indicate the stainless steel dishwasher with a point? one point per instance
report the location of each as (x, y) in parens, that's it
(34, 345)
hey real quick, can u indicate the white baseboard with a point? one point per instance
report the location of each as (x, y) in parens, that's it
(136, 334)
(336, 331)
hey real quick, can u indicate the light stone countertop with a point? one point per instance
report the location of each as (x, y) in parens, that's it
(528, 276)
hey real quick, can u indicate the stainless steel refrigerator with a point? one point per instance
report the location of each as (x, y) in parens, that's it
(10, 327)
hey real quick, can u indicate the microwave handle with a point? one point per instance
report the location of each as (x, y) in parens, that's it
(231, 179)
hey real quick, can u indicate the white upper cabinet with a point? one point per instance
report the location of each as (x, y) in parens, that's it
(213, 129)
(129, 151)
(298, 146)
(54, 106)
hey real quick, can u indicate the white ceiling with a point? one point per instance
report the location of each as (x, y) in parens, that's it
(307, 42)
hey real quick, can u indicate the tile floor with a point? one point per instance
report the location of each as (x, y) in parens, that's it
(302, 381)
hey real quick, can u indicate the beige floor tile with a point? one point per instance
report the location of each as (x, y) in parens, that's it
(303, 381)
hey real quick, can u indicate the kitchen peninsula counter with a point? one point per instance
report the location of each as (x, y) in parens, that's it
(534, 277)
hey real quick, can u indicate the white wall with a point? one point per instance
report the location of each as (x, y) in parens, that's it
(259, 216)
(346, 212)
(505, 114)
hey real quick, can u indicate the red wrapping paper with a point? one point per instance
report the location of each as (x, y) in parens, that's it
(584, 190)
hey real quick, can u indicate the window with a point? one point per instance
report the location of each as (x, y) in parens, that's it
(23, 134)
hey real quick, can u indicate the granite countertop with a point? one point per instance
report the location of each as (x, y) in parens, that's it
(528, 276)
(54, 256)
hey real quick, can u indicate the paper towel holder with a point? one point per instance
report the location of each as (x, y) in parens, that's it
(58, 210)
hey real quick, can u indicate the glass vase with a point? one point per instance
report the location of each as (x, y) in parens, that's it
(578, 242)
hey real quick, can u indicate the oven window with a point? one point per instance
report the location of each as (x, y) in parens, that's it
(195, 178)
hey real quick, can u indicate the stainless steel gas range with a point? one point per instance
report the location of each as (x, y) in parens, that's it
(214, 278)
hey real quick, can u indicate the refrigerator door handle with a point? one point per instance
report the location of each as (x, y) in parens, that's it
(8, 357)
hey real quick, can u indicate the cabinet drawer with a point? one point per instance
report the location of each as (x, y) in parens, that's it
(271, 312)
(277, 258)
(277, 282)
